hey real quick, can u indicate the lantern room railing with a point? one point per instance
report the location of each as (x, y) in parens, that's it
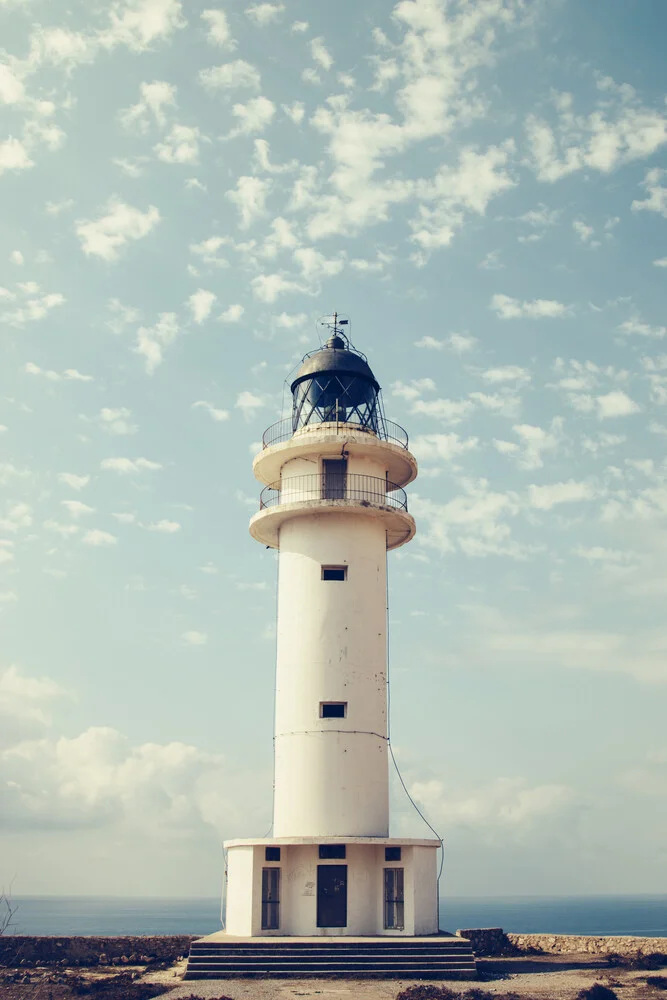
(283, 430)
(347, 488)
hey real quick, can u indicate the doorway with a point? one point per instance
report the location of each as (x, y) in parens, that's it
(332, 895)
(270, 899)
(334, 474)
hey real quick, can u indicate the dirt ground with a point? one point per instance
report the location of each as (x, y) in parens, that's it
(545, 977)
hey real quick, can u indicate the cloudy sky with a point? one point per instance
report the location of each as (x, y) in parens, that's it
(186, 188)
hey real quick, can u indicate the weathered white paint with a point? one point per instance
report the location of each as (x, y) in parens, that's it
(331, 775)
(241, 893)
(365, 888)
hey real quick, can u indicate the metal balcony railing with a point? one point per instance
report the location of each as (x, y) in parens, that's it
(283, 430)
(351, 488)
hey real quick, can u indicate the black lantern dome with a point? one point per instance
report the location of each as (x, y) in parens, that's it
(336, 384)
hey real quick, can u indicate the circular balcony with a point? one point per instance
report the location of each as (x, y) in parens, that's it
(327, 439)
(283, 430)
(319, 494)
(350, 488)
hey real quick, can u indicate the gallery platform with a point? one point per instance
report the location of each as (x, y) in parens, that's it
(435, 956)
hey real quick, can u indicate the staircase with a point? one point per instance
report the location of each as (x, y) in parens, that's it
(435, 957)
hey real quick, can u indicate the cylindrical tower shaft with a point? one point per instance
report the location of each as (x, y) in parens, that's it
(331, 776)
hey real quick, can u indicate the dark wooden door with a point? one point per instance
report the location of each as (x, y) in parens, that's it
(332, 895)
(334, 475)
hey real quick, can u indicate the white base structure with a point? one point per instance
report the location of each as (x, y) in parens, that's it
(361, 908)
(333, 506)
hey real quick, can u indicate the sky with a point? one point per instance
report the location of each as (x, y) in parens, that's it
(186, 189)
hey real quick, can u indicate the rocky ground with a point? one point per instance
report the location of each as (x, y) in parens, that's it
(540, 977)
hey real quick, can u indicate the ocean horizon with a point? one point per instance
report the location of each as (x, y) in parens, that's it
(637, 915)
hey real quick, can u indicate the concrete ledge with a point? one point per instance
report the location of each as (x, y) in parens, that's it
(23, 950)
(490, 941)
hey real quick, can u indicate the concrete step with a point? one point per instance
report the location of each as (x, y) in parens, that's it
(445, 958)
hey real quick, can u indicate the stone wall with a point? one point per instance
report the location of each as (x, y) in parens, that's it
(493, 941)
(18, 949)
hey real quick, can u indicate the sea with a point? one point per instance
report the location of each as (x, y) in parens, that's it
(645, 916)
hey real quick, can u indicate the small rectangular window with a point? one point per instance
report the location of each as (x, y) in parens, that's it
(333, 709)
(272, 854)
(334, 572)
(390, 853)
(332, 851)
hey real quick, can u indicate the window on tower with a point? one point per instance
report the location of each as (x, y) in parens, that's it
(333, 709)
(334, 572)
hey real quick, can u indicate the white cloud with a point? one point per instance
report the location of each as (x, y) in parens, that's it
(533, 442)
(98, 779)
(642, 329)
(218, 29)
(232, 314)
(618, 131)
(73, 481)
(267, 287)
(138, 23)
(315, 266)
(19, 515)
(76, 508)
(265, 13)
(249, 403)
(414, 389)
(208, 250)
(165, 527)
(320, 54)
(546, 497)
(615, 404)
(661, 262)
(475, 522)
(253, 116)
(201, 304)
(450, 411)
(152, 340)
(69, 375)
(584, 232)
(30, 307)
(27, 698)
(16, 257)
(125, 517)
(295, 111)
(107, 236)
(99, 538)
(125, 466)
(510, 807)
(155, 98)
(216, 414)
(441, 447)
(195, 638)
(231, 76)
(116, 421)
(262, 158)
(250, 196)
(180, 145)
(506, 373)
(14, 156)
(509, 308)
(657, 193)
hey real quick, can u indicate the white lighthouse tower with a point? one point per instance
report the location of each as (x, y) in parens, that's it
(333, 506)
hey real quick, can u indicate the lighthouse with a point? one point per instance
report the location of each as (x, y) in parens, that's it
(333, 505)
